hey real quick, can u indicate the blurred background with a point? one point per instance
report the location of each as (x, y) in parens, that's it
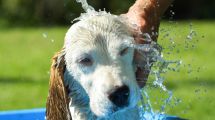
(31, 31)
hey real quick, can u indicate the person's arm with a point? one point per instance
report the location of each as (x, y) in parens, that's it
(160, 5)
(146, 14)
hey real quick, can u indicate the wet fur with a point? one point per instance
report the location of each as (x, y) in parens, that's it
(71, 95)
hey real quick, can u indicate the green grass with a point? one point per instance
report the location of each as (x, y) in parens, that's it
(194, 85)
(25, 55)
(25, 61)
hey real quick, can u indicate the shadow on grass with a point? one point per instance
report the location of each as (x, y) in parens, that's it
(22, 80)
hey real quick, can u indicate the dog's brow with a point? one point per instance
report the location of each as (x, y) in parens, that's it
(102, 42)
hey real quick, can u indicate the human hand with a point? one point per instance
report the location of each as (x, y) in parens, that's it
(145, 18)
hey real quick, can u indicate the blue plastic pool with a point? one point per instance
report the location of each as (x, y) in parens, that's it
(39, 114)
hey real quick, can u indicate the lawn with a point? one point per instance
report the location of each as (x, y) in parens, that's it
(25, 55)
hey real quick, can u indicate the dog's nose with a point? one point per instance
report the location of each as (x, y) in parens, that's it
(119, 96)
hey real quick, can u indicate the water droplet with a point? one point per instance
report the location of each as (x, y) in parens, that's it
(52, 40)
(45, 35)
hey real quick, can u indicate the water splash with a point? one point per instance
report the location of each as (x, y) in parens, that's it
(87, 8)
(52, 40)
(45, 35)
(146, 107)
(192, 33)
(166, 101)
(153, 61)
(146, 111)
(89, 11)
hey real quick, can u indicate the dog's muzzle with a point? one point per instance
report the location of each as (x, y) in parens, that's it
(119, 96)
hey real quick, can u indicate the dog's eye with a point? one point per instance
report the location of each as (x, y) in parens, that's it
(86, 62)
(124, 51)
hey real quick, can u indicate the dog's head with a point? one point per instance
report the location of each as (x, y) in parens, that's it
(99, 58)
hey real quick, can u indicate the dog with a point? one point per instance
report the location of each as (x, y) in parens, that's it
(93, 76)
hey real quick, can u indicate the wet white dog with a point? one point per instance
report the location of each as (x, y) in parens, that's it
(93, 77)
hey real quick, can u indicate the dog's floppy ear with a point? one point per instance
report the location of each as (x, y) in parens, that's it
(57, 106)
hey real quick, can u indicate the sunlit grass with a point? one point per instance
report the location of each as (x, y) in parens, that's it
(25, 55)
